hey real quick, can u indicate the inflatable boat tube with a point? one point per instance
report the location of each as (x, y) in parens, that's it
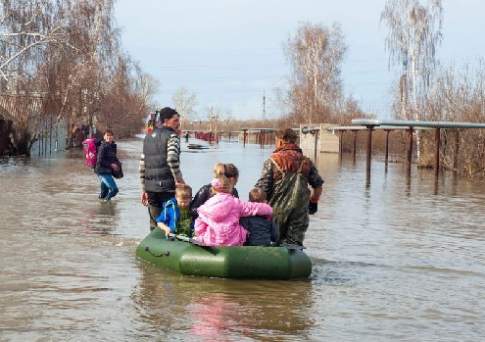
(242, 262)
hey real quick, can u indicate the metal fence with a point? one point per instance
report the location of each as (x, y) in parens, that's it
(52, 138)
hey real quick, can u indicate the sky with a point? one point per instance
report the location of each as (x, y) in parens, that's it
(230, 52)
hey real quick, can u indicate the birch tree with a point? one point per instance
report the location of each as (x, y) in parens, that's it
(185, 102)
(29, 31)
(414, 33)
(66, 54)
(315, 54)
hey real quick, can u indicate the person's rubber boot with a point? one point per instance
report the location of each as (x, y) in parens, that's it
(111, 194)
(102, 195)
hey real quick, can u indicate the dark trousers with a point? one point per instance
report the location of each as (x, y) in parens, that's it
(155, 205)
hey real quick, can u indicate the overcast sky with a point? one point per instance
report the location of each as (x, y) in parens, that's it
(230, 52)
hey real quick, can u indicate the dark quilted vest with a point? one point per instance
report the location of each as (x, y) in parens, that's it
(158, 177)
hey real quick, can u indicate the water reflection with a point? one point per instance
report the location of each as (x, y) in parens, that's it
(212, 315)
(222, 309)
(100, 219)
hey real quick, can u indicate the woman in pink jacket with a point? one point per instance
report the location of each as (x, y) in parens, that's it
(218, 221)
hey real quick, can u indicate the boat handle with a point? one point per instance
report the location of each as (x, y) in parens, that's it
(167, 253)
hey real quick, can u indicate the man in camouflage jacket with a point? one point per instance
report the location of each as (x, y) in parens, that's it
(285, 179)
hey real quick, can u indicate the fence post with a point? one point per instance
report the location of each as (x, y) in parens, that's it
(437, 156)
(341, 144)
(315, 153)
(369, 149)
(457, 150)
(354, 151)
(387, 148)
(410, 148)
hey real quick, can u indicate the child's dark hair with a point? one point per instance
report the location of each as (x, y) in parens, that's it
(231, 171)
(109, 132)
(257, 195)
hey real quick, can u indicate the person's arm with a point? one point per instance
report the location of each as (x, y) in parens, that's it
(173, 158)
(164, 228)
(115, 151)
(315, 195)
(100, 157)
(200, 227)
(316, 183)
(200, 198)
(172, 216)
(141, 170)
(265, 182)
(254, 209)
(114, 162)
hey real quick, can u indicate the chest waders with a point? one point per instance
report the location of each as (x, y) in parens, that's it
(289, 200)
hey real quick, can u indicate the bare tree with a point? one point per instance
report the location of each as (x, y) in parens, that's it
(146, 86)
(185, 102)
(414, 33)
(28, 29)
(65, 57)
(316, 53)
(215, 117)
(457, 95)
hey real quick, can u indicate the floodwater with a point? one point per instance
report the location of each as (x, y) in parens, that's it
(395, 258)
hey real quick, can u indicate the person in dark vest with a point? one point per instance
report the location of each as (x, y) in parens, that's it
(106, 161)
(285, 179)
(160, 163)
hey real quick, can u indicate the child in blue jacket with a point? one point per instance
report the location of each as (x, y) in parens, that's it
(175, 217)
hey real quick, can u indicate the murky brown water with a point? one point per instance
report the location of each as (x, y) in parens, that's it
(397, 259)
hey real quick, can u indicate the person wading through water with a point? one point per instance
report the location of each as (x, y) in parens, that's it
(160, 163)
(285, 179)
(107, 164)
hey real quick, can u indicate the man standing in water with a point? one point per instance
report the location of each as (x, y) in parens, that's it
(285, 179)
(160, 163)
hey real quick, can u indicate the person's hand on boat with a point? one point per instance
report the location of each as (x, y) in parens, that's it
(312, 207)
(144, 199)
(164, 228)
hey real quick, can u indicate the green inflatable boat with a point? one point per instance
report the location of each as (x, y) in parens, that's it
(250, 262)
